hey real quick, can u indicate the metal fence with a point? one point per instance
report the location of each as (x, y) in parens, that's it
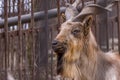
(27, 28)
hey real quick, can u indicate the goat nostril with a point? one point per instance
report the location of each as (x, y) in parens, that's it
(55, 42)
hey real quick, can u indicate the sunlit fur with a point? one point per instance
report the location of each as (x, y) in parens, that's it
(83, 60)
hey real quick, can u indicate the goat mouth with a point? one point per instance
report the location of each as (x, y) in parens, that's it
(59, 49)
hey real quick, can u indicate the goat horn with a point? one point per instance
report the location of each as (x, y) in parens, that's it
(109, 7)
(73, 9)
(76, 3)
(90, 10)
(93, 9)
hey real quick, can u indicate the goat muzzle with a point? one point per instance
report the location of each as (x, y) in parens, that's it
(58, 47)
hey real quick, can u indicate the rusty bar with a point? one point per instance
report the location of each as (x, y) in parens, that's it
(118, 14)
(26, 18)
(58, 13)
(26, 35)
(102, 25)
(33, 37)
(25, 53)
(12, 51)
(13, 6)
(6, 35)
(94, 1)
(112, 35)
(20, 39)
(51, 30)
(46, 28)
(8, 56)
(71, 1)
(8, 7)
(107, 34)
(1, 54)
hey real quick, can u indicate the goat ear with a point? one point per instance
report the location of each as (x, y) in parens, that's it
(87, 21)
(87, 24)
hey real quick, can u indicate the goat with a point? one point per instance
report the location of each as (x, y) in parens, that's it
(79, 56)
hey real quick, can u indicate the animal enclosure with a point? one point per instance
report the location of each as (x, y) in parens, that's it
(27, 28)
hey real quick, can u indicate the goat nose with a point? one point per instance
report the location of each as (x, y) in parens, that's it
(55, 42)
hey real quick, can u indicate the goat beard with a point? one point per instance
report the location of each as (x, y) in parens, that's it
(66, 69)
(69, 70)
(60, 63)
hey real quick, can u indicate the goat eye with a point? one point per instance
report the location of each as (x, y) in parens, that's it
(76, 31)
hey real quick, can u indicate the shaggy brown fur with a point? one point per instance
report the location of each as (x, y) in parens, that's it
(82, 59)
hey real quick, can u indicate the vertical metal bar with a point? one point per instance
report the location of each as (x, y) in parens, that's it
(12, 53)
(26, 55)
(6, 34)
(107, 34)
(112, 35)
(46, 33)
(102, 26)
(71, 1)
(8, 58)
(2, 58)
(51, 55)
(9, 6)
(13, 6)
(118, 14)
(20, 39)
(94, 1)
(58, 15)
(22, 4)
(33, 38)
